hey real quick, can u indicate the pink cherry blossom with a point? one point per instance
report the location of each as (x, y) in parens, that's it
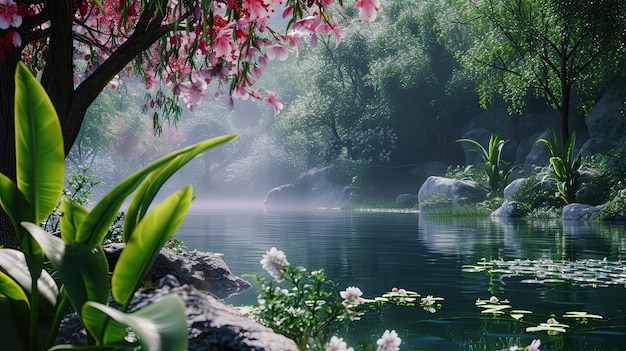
(15, 38)
(9, 15)
(273, 100)
(277, 51)
(368, 9)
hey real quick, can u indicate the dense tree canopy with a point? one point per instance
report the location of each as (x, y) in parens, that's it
(554, 49)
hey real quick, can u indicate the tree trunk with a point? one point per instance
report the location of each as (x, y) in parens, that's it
(566, 90)
(565, 114)
(71, 104)
(7, 137)
(58, 75)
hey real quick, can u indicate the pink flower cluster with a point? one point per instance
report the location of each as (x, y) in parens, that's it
(11, 15)
(208, 48)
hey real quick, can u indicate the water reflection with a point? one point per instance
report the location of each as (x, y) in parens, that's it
(377, 251)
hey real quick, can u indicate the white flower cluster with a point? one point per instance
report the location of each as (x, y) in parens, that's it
(352, 295)
(274, 262)
(389, 341)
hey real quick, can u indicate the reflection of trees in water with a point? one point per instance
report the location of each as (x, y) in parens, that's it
(614, 234)
(510, 238)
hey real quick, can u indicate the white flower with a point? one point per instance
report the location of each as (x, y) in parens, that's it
(352, 294)
(278, 291)
(493, 299)
(428, 303)
(274, 262)
(337, 344)
(389, 341)
(534, 346)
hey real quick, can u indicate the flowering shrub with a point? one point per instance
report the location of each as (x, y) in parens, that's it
(309, 308)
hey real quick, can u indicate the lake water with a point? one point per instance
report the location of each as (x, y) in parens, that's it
(378, 251)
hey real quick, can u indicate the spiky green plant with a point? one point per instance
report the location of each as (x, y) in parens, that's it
(565, 167)
(496, 170)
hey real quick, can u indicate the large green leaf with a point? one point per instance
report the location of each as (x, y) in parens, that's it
(95, 226)
(149, 188)
(13, 264)
(39, 149)
(84, 275)
(14, 203)
(72, 216)
(146, 242)
(161, 325)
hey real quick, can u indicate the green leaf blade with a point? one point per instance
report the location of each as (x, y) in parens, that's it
(39, 151)
(143, 247)
(161, 325)
(95, 226)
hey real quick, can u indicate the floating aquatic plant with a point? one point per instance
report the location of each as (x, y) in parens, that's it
(502, 308)
(584, 273)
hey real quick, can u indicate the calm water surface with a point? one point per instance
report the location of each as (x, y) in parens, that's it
(378, 251)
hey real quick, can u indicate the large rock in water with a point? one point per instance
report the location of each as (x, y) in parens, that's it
(581, 212)
(212, 324)
(203, 270)
(282, 197)
(439, 192)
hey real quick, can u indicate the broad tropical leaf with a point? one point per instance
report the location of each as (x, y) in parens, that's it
(73, 216)
(84, 275)
(39, 149)
(95, 226)
(13, 264)
(146, 242)
(14, 203)
(149, 188)
(159, 326)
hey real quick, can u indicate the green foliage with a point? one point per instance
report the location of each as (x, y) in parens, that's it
(544, 213)
(536, 192)
(466, 173)
(29, 298)
(461, 211)
(564, 166)
(307, 307)
(80, 189)
(435, 202)
(308, 312)
(549, 48)
(496, 170)
(615, 208)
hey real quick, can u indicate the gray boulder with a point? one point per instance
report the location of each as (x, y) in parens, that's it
(512, 188)
(281, 197)
(454, 192)
(509, 209)
(212, 325)
(581, 212)
(204, 270)
(320, 188)
(606, 123)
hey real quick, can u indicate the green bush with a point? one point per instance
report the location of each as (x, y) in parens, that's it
(616, 206)
(536, 192)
